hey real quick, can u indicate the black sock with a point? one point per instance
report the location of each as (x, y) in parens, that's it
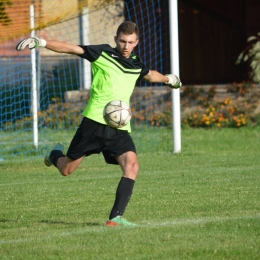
(55, 155)
(123, 195)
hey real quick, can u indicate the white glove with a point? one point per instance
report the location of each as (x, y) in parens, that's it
(32, 43)
(174, 81)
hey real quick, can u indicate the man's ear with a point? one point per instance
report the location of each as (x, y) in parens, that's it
(136, 42)
(115, 38)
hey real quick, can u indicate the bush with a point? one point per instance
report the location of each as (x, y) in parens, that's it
(201, 107)
(236, 108)
(58, 115)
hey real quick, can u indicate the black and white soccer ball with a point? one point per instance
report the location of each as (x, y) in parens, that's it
(117, 114)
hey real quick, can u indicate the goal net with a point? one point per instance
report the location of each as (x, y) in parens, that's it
(62, 82)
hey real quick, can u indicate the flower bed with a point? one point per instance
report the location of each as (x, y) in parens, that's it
(233, 105)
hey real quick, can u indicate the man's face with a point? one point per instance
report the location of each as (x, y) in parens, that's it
(125, 43)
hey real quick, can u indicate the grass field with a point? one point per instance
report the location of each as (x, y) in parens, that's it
(20, 142)
(203, 203)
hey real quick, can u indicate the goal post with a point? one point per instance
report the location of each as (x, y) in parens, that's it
(34, 94)
(174, 52)
(43, 93)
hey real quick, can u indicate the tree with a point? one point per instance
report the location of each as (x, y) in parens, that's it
(251, 54)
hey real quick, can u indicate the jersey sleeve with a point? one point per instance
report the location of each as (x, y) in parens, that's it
(92, 52)
(144, 72)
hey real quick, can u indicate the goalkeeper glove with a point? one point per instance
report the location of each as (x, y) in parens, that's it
(174, 81)
(32, 43)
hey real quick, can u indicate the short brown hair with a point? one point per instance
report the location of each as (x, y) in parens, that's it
(128, 28)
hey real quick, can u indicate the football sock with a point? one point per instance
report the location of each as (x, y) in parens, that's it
(55, 155)
(123, 195)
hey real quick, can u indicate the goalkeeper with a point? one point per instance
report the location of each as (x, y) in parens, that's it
(115, 72)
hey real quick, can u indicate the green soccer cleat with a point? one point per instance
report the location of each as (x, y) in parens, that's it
(47, 160)
(119, 221)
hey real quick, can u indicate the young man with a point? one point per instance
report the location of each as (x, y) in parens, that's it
(115, 72)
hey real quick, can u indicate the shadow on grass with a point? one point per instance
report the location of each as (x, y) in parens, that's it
(56, 222)
(59, 222)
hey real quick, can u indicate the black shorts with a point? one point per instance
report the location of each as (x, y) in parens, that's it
(92, 138)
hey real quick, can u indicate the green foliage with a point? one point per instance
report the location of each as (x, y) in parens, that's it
(59, 115)
(235, 108)
(200, 204)
(251, 54)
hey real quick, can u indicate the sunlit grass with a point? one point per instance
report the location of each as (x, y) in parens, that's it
(200, 204)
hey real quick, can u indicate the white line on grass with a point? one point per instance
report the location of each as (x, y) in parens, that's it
(98, 229)
(71, 179)
(61, 180)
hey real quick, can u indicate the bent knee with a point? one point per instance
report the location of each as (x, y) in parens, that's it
(133, 167)
(131, 170)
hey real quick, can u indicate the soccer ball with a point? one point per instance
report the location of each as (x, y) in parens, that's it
(117, 114)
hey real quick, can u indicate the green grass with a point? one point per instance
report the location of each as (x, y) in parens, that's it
(20, 142)
(200, 204)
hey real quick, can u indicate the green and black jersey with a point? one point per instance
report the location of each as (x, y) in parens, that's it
(114, 78)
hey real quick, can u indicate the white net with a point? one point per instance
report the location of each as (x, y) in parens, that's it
(63, 80)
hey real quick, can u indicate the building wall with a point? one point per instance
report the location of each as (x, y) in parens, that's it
(101, 28)
(56, 20)
(211, 38)
(211, 33)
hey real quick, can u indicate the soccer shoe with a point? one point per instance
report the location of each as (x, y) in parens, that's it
(119, 221)
(47, 160)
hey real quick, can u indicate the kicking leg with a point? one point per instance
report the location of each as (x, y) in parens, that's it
(64, 164)
(67, 166)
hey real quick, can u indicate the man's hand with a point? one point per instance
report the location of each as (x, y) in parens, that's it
(174, 81)
(32, 43)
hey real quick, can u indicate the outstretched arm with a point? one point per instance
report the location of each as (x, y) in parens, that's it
(55, 46)
(155, 76)
(170, 79)
(64, 47)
